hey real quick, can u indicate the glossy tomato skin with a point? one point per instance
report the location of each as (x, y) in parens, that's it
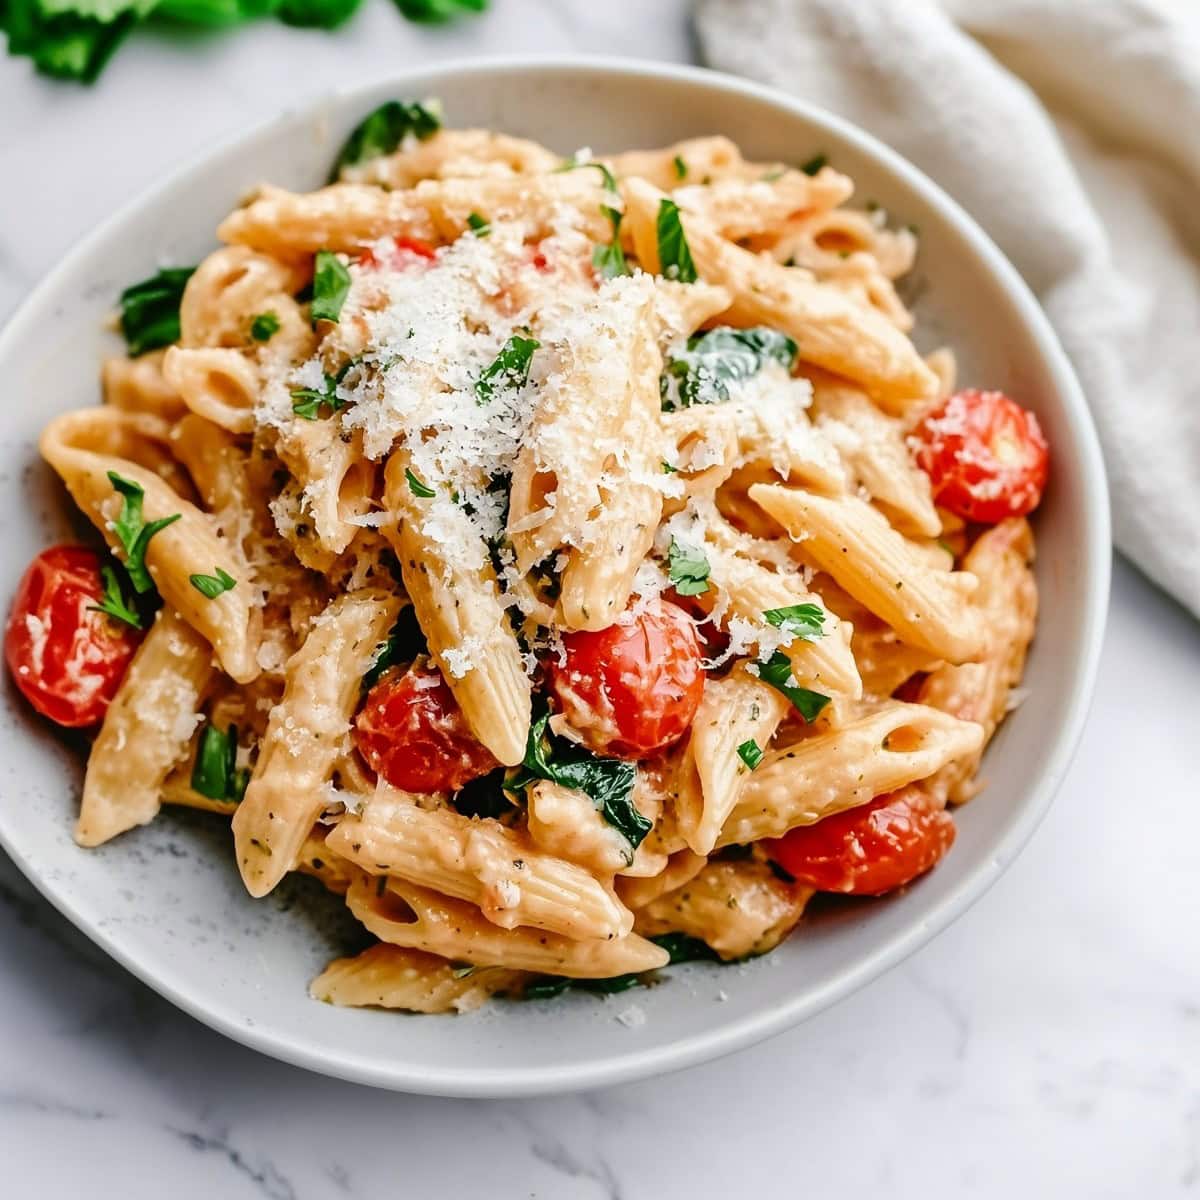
(870, 850)
(412, 732)
(67, 659)
(632, 689)
(985, 456)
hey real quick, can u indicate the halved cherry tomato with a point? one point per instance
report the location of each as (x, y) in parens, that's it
(405, 246)
(67, 659)
(869, 850)
(985, 455)
(412, 732)
(632, 689)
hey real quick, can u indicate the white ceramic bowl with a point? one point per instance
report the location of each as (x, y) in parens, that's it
(166, 901)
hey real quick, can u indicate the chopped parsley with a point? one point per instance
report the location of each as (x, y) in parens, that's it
(264, 327)
(814, 164)
(113, 602)
(680, 167)
(479, 225)
(702, 373)
(150, 309)
(308, 402)
(607, 782)
(750, 753)
(687, 568)
(608, 258)
(777, 671)
(331, 286)
(668, 469)
(213, 585)
(216, 773)
(133, 531)
(674, 254)
(803, 621)
(421, 490)
(509, 369)
(382, 130)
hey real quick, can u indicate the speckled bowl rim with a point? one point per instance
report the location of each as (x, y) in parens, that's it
(735, 1034)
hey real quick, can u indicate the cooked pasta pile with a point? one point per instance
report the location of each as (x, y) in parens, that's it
(574, 565)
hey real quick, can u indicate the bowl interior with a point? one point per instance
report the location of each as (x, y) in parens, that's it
(166, 900)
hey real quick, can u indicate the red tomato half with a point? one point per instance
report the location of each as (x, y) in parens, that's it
(67, 659)
(406, 250)
(985, 455)
(869, 850)
(632, 689)
(412, 732)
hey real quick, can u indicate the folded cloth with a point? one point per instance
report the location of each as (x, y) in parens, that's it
(1070, 129)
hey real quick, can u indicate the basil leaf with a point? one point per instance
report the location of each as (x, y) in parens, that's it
(674, 254)
(750, 753)
(150, 310)
(134, 533)
(608, 258)
(316, 14)
(509, 369)
(70, 40)
(483, 797)
(113, 602)
(803, 621)
(264, 327)
(404, 643)
(682, 947)
(814, 164)
(382, 130)
(419, 489)
(215, 773)
(608, 782)
(680, 167)
(435, 12)
(212, 14)
(331, 286)
(687, 568)
(777, 671)
(213, 585)
(479, 225)
(713, 360)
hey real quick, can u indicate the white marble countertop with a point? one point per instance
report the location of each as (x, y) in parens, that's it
(1047, 1045)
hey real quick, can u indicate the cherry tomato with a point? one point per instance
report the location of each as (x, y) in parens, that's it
(67, 659)
(869, 850)
(412, 732)
(985, 455)
(406, 249)
(632, 689)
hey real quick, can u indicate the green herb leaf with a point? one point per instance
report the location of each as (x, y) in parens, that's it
(608, 782)
(509, 369)
(69, 39)
(150, 310)
(713, 360)
(608, 258)
(404, 643)
(264, 327)
(308, 402)
(814, 164)
(680, 167)
(682, 947)
(381, 131)
(479, 225)
(134, 533)
(667, 468)
(674, 254)
(331, 286)
(419, 489)
(777, 671)
(316, 14)
(483, 797)
(687, 568)
(750, 753)
(213, 585)
(803, 621)
(113, 603)
(215, 773)
(436, 12)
